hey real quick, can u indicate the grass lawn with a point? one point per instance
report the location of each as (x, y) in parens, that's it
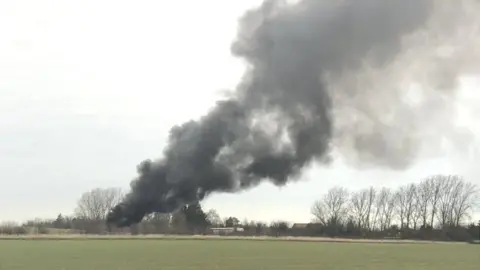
(144, 254)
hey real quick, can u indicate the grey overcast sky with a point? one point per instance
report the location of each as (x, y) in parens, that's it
(90, 88)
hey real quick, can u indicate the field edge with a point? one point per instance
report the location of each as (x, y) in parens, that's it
(211, 237)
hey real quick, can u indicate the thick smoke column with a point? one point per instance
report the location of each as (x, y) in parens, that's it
(307, 91)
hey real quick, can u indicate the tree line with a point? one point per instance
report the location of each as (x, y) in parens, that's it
(437, 208)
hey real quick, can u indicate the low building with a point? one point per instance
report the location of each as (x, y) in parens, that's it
(226, 230)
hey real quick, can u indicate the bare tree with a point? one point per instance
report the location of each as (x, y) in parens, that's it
(424, 199)
(401, 205)
(95, 204)
(385, 205)
(370, 219)
(333, 207)
(449, 189)
(405, 204)
(214, 218)
(463, 198)
(435, 184)
(390, 210)
(410, 203)
(363, 208)
(447, 200)
(359, 207)
(417, 211)
(456, 200)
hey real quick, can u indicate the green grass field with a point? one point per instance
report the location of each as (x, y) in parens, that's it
(168, 254)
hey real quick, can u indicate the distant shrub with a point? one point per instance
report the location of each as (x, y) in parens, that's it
(13, 230)
(43, 230)
(20, 230)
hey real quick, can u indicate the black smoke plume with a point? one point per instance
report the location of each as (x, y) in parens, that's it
(286, 112)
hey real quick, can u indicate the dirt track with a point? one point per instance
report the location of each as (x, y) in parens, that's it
(210, 237)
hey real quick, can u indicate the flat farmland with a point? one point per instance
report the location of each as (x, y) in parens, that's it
(179, 254)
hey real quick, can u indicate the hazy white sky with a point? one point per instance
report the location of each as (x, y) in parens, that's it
(88, 89)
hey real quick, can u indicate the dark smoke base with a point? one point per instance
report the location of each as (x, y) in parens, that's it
(289, 48)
